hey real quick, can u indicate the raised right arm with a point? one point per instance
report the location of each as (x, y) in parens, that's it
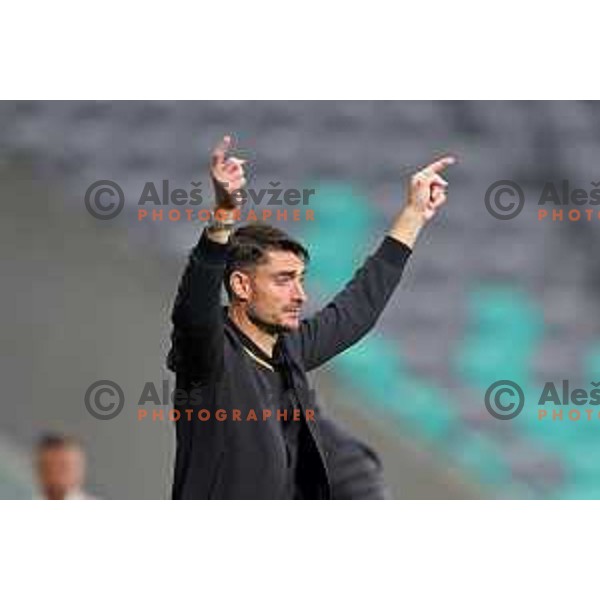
(197, 337)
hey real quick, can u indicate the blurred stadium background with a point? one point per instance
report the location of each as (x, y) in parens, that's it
(482, 300)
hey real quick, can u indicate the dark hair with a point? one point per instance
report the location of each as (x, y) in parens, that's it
(52, 441)
(248, 247)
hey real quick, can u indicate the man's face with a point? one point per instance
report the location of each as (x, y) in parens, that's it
(61, 471)
(275, 290)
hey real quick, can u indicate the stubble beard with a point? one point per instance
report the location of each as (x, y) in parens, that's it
(269, 328)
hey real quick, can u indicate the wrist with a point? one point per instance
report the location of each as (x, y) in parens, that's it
(408, 226)
(220, 236)
(221, 224)
(413, 216)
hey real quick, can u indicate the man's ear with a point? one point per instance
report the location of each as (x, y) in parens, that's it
(240, 285)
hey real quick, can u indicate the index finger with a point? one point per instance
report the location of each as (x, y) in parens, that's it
(440, 165)
(218, 154)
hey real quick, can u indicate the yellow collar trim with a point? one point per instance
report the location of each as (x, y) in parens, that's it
(260, 361)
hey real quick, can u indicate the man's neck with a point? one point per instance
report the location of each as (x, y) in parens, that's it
(265, 341)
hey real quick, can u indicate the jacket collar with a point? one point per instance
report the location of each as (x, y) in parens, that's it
(275, 362)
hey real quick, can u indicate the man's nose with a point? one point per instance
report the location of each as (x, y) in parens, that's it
(299, 293)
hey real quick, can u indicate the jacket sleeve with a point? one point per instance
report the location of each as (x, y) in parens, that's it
(354, 311)
(198, 327)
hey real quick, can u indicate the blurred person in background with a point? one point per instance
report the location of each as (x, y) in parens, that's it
(61, 468)
(253, 355)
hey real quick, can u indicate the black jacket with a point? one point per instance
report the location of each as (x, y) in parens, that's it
(246, 460)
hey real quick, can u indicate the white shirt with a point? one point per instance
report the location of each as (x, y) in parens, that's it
(76, 495)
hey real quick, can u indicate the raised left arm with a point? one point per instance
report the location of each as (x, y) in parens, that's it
(355, 310)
